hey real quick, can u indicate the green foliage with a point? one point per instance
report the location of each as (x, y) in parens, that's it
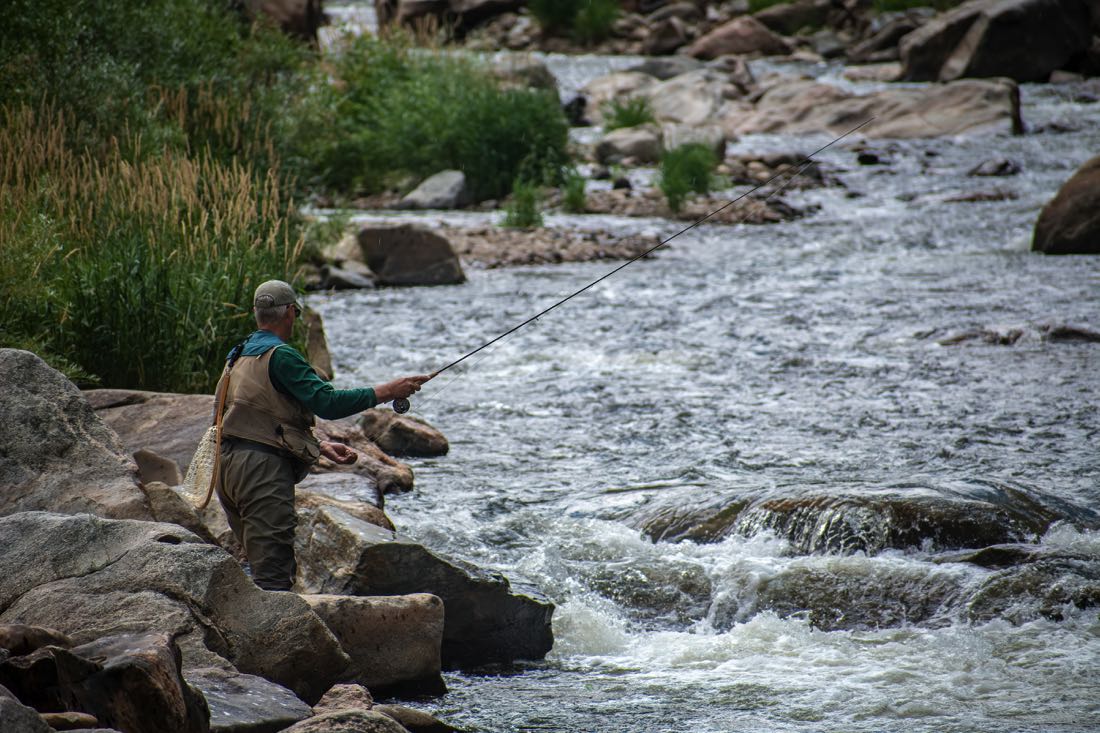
(886, 6)
(523, 209)
(686, 169)
(629, 112)
(588, 21)
(134, 275)
(758, 5)
(574, 200)
(399, 112)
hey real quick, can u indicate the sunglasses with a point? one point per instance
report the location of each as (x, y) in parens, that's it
(297, 312)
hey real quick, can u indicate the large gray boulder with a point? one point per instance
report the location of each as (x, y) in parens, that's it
(444, 190)
(394, 641)
(129, 682)
(486, 620)
(403, 435)
(409, 255)
(55, 453)
(1070, 222)
(1024, 40)
(15, 717)
(695, 98)
(90, 577)
(245, 703)
(641, 144)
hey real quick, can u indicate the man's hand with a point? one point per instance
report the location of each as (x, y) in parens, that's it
(338, 453)
(398, 388)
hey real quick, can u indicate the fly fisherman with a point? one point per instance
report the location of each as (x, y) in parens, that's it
(267, 432)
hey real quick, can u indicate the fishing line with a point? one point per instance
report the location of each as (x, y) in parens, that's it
(403, 405)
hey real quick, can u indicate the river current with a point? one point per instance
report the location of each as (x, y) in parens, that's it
(802, 356)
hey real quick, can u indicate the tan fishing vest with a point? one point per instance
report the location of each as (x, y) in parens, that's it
(255, 410)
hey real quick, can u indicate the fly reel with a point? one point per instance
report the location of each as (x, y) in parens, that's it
(401, 405)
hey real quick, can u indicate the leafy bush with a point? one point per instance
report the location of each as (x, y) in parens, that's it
(136, 274)
(686, 169)
(398, 112)
(574, 200)
(588, 21)
(629, 112)
(523, 209)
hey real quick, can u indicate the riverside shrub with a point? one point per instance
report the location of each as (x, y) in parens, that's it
(132, 274)
(588, 21)
(523, 210)
(574, 199)
(686, 169)
(398, 112)
(629, 112)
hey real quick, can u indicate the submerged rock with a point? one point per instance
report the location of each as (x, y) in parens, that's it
(869, 521)
(1070, 222)
(487, 619)
(56, 454)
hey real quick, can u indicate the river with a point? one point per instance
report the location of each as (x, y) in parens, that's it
(801, 358)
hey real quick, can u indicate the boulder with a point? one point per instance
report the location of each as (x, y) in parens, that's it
(688, 12)
(744, 35)
(414, 721)
(307, 502)
(882, 45)
(394, 641)
(487, 620)
(317, 351)
(56, 454)
(1024, 40)
(344, 697)
(91, 577)
(444, 190)
(969, 106)
(789, 18)
(169, 425)
(20, 639)
(71, 721)
(245, 703)
(1070, 222)
(600, 92)
(642, 143)
(402, 435)
(387, 475)
(129, 682)
(665, 36)
(869, 521)
(345, 278)
(692, 99)
(348, 721)
(15, 717)
(409, 255)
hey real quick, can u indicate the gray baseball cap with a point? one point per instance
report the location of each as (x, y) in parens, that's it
(273, 293)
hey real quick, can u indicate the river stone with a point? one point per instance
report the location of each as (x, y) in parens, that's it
(129, 682)
(691, 99)
(882, 45)
(744, 35)
(871, 521)
(1044, 585)
(665, 36)
(1070, 222)
(969, 106)
(70, 721)
(409, 255)
(307, 502)
(444, 190)
(55, 452)
(344, 697)
(90, 577)
(403, 435)
(245, 703)
(393, 641)
(1022, 39)
(348, 721)
(15, 717)
(789, 18)
(487, 620)
(345, 278)
(415, 721)
(21, 639)
(600, 92)
(683, 10)
(642, 144)
(386, 474)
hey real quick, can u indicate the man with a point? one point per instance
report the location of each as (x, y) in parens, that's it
(267, 437)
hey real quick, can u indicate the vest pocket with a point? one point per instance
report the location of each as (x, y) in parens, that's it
(300, 444)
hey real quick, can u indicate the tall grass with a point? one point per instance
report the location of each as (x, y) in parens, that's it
(523, 210)
(396, 112)
(686, 169)
(139, 274)
(574, 199)
(629, 112)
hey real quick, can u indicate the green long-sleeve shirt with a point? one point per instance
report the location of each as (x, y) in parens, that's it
(292, 375)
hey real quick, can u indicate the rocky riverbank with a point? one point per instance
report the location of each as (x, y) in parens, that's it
(122, 608)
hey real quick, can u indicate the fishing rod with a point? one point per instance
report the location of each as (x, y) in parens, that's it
(402, 405)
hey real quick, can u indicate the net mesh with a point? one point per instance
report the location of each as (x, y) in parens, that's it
(197, 481)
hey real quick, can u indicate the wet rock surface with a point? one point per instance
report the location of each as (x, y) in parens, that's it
(1070, 222)
(244, 703)
(402, 435)
(487, 618)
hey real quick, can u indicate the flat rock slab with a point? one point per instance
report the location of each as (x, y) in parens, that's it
(245, 703)
(348, 721)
